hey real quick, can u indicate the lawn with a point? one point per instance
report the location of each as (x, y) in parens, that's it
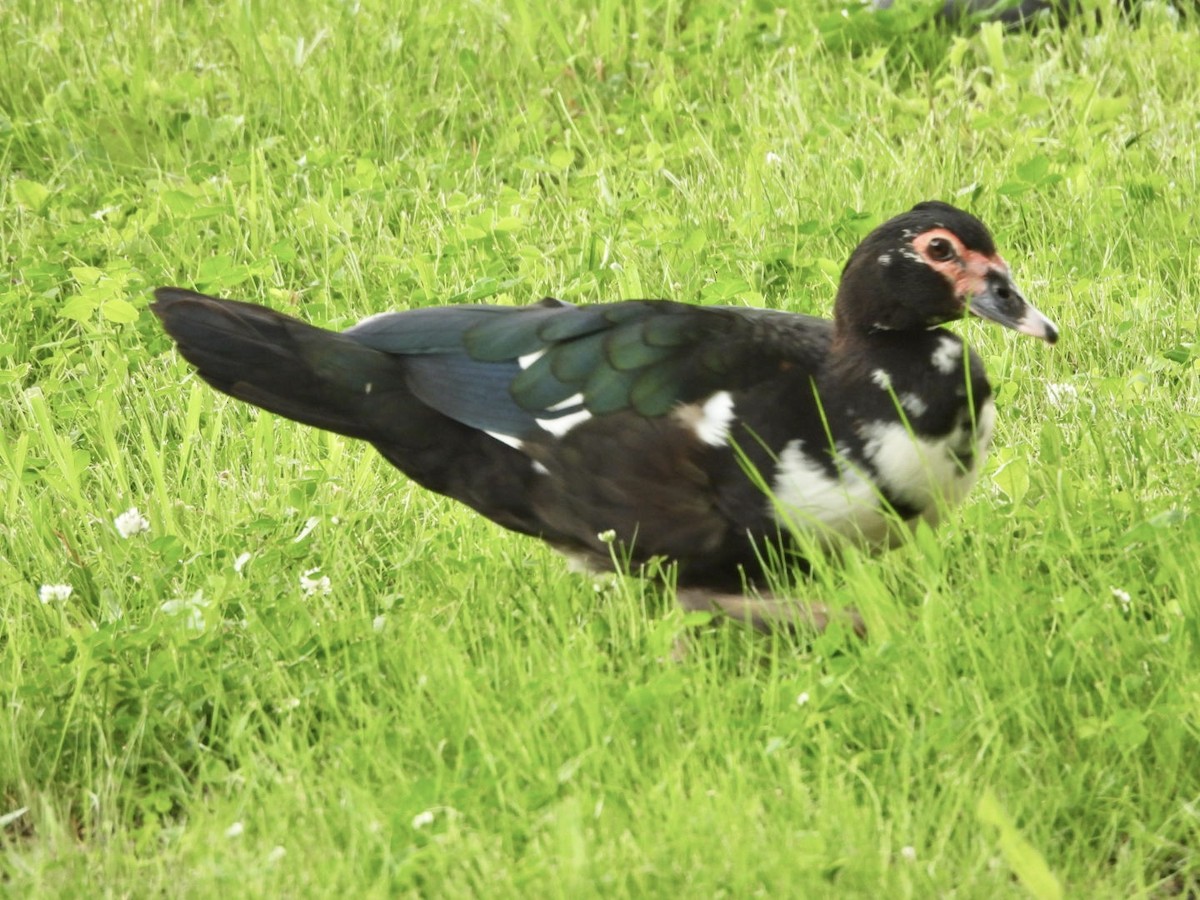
(291, 673)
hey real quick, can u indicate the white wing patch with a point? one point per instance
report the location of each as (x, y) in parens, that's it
(715, 418)
(530, 358)
(506, 439)
(710, 420)
(557, 425)
(573, 400)
(560, 426)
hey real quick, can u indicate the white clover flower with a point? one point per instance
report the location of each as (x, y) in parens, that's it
(421, 819)
(131, 522)
(607, 536)
(802, 698)
(1061, 395)
(312, 586)
(240, 562)
(277, 853)
(54, 593)
(235, 830)
(379, 622)
(192, 608)
(908, 853)
(1122, 597)
(773, 158)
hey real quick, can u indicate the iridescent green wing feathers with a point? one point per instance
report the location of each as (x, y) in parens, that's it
(503, 369)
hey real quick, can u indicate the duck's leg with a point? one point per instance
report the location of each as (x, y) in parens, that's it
(769, 613)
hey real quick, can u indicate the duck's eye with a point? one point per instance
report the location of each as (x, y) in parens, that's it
(940, 250)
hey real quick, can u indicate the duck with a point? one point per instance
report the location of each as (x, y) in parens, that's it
(1012, 15)
(724, 440)
(1017, 14)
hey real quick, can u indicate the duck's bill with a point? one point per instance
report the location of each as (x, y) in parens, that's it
(1000, 301)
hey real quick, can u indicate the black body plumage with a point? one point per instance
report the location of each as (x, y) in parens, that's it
(656, 420)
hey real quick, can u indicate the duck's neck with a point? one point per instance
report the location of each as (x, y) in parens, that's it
(858, 355)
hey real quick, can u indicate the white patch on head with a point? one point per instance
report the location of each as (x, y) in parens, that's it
(573, 400)
(913, 404)
(560, 426)
(513, 442)
(947, 355)
(530, 358)
(882, 378)
(885, 259)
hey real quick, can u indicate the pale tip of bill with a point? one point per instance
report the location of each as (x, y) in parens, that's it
(1034, 324)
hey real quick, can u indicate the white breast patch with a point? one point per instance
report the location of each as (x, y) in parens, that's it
(926, 474)
(807, 499)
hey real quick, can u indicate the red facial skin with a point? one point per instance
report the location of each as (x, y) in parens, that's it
(966, 269)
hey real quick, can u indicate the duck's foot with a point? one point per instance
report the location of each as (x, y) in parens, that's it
(767, 613)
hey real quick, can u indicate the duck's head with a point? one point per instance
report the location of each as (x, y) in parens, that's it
(928, 266)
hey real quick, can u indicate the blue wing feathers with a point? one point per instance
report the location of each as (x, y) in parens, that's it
(472, 392)
(434, 330)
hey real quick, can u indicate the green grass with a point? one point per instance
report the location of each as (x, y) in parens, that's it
(458, 715)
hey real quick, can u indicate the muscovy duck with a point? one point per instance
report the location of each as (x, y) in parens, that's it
(1011, 14)
(716, 437)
